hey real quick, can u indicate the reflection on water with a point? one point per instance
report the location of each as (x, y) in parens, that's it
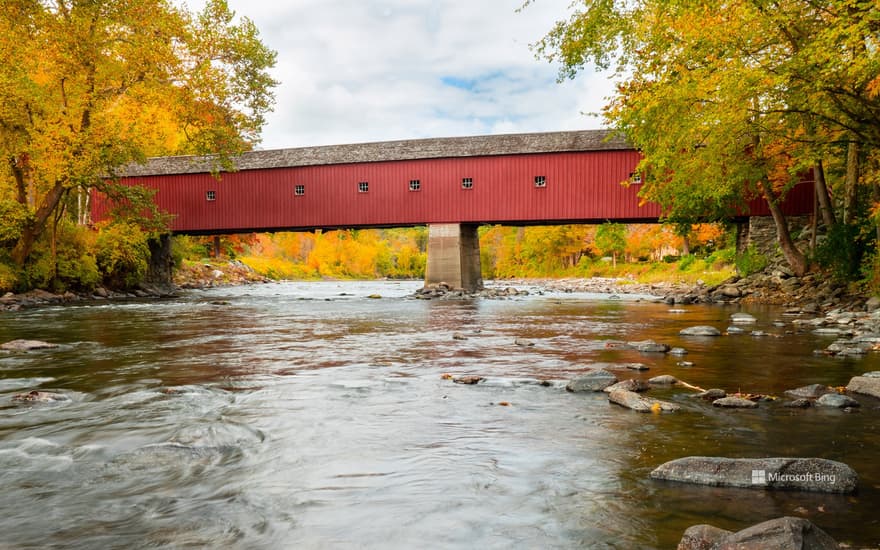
(307, 415)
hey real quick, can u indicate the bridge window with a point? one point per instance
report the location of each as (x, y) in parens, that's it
(415, 185)
(210, 195)
(299, 190)
(635, 178)
(467, 183)
(363, 186)
(540, 181)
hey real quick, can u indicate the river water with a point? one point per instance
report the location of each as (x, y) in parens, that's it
(308, 415)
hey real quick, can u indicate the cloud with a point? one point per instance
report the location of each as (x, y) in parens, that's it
(371, 70)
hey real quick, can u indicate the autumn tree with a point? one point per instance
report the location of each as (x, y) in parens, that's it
(611, 239)
(734, 101)
(87, 87)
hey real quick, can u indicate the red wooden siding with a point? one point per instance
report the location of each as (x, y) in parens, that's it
(580, 187)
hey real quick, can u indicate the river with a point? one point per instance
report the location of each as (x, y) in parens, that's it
(308, 415)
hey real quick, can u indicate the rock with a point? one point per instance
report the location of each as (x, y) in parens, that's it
(663, 380)
(700, 330)
(26, 345)
(837, 400)
(729, 291)
(736, 330)
(827, 331)
(595, 380)
(648, 346)
(813, 391)
(872, 304)
(799, 404)
(634, 401)
(742, 319)
(733, 402)
(712, 394)
(678, 351)
(685, 364)
(787, 533)
(629, 385)
(702, 537)
(374, 296)
(524, 343)
(868, 384)
(810, 308)
(37, 396)
(469, 380)
(798, 474)
(458, 336)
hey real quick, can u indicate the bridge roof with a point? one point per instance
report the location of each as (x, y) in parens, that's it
(412, 149)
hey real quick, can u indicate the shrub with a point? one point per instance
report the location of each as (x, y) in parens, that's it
(122, 255)
(70, 266)
(686, 262)
(842, 251)
(751, 261)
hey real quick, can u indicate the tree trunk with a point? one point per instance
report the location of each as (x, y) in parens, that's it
(793, 256)
(852, 180)
(822, 194)
(33, 230)
(685, 245)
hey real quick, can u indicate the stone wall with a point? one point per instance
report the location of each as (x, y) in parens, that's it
(761, 232)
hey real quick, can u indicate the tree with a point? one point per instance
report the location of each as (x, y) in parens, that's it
(611, 239)
(87, 87)
(731, 103)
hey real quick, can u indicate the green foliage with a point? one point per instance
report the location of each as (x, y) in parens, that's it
(751, 261)
(68, 264)
(611, 239)
(8, 277)
(122, 254)
(842, 250)
(14, 216)
(686, 262)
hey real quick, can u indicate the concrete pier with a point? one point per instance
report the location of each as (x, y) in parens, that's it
(454, 256)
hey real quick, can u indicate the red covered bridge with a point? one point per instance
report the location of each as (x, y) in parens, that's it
(450, 184)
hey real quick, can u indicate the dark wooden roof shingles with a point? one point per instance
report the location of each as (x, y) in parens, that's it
(414, 149)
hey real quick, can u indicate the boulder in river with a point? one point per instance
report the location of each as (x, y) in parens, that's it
(634, 401)
(594, 380)
(27, 345)
(38, 396)
(700, 330)
(868, 384)
(678, 351)
(742, 319)
(813, 391)
(797, 474)
(734, 402)
(649, 346)
(663, 380)
(630, 384)
(799, 404)
(837, 400)
(786, 533)
(712, 394)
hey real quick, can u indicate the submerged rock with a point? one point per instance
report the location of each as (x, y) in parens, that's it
(733, 402)
(27, 345)
(634, 401)
(837, 400)
(813, 391)
(700, 330)
(798, 474)
(595, 380)
(786, 533)
(799, 404)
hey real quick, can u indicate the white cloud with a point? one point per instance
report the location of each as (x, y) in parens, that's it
(371, 70)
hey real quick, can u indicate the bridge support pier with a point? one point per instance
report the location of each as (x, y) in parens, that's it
(454, 256)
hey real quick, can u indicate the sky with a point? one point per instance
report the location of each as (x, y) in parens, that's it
(355, 71)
